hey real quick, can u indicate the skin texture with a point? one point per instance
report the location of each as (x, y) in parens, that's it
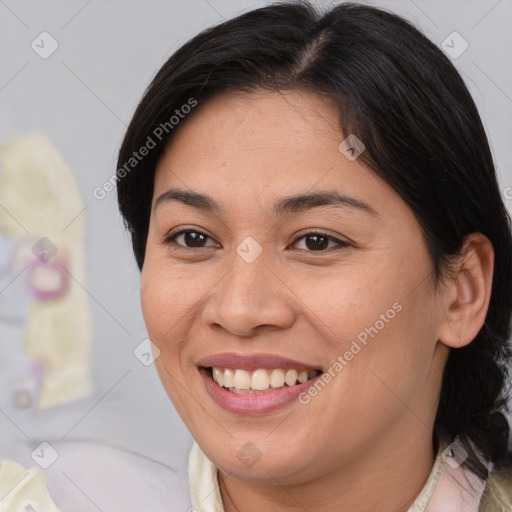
(364, 442)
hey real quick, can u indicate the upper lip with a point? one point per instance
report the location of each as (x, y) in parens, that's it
(251, 362)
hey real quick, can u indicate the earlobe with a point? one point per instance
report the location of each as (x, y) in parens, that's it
(467, 295)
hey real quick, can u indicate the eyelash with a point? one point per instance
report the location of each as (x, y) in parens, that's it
(341, 244)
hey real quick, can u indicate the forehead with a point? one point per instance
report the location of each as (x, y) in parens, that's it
(243, 147)
(293, 123)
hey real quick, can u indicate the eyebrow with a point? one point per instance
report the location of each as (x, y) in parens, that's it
(286, 204)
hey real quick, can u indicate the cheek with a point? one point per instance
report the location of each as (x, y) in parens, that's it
(162, 311)
(167, 300)
(154, 303)
(348, 303)
(397, 360)
(380, 319)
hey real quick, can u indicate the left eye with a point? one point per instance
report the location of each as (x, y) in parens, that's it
(318, 241)
(314, 241)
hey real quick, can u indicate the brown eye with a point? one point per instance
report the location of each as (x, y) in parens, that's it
(318, 242)
(315, 242)
(192, 239)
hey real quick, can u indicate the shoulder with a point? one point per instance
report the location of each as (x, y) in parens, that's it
(497, 496)
(88, 476)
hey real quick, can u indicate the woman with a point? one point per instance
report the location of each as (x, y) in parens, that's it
(354, 126)
(325, 266)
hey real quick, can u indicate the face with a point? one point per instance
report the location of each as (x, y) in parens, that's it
(263, 289)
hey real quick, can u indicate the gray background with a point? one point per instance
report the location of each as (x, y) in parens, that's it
(83, 95)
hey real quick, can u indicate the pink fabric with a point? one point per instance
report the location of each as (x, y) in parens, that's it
(458, 490)
(451, 487)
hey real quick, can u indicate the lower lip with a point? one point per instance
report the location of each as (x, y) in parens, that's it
(253, 404)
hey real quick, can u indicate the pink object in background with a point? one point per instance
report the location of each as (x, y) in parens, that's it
(47, 280)
(43, 227)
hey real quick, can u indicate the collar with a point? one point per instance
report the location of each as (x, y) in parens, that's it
(450, 487)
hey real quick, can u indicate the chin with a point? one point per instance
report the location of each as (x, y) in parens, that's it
(244, 460)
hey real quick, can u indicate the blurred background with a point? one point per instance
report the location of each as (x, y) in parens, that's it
(71, 75)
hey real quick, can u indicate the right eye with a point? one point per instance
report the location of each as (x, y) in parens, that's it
(195, 238)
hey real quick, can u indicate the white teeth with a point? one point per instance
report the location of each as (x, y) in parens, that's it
(218, 376)
(229, 380)
(291, 377)
(261, 380)
(277, 378)
(302, 377)
(239, 391)
(242, 380)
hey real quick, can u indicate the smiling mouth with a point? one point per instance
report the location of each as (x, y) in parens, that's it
(263, 380)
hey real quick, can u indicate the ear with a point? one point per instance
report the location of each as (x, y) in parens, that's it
(467, 294)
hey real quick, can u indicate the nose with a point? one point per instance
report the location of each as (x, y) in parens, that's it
(249, 298)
